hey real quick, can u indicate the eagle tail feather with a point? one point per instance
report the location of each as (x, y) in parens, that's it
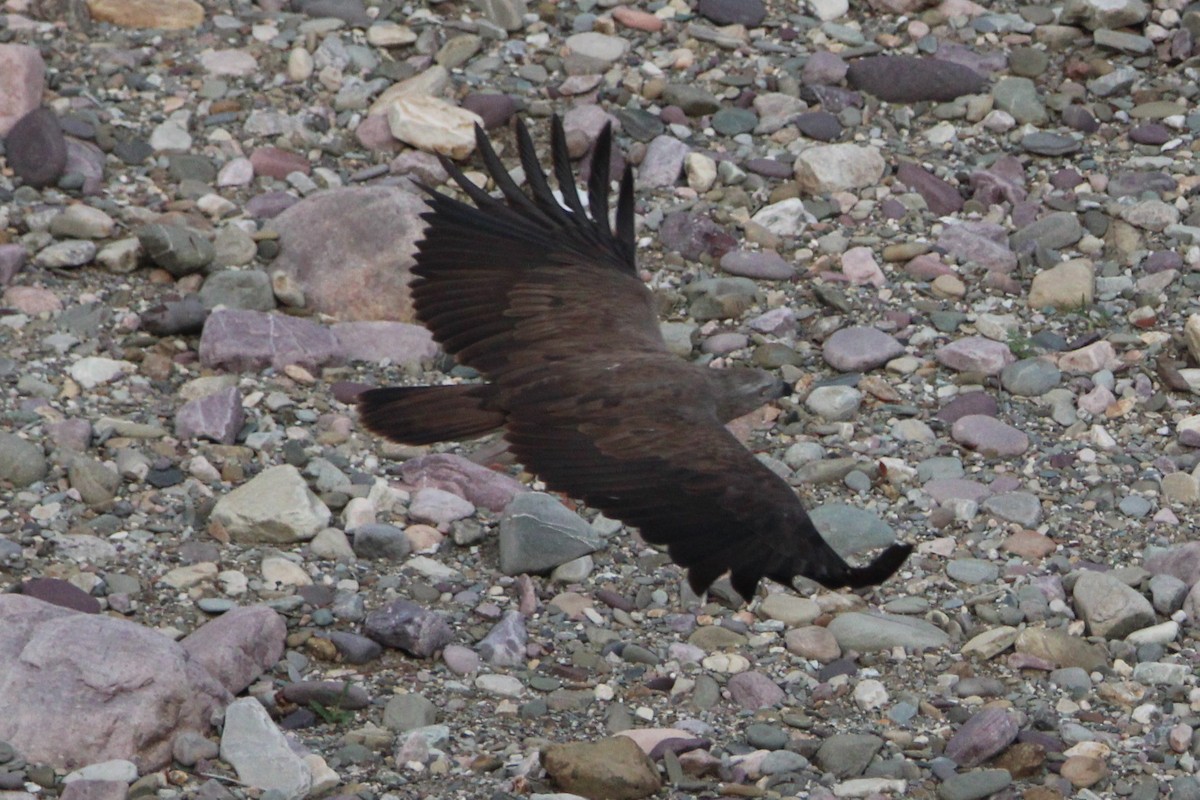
(426, 414)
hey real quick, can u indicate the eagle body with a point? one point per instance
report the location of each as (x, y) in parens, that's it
(543, 299)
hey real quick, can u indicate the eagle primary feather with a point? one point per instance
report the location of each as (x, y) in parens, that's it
(543, 299)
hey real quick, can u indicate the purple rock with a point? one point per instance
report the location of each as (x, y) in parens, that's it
(36, 148)
(823, 68)
(238, 646)
(484, 487)
(891, 208)
(859, 349)
(175, 317)
(240, 340)
(753, 690)
(750, 13)
(969, 403)
(61, 593)
(331, 694)
(770, 168)
(833, 99)
(72, 434)
(906, 79)
(494, 109)
(663, 162)
(355, 649)
(692, 235)
(1066, 179)
(677, 746)
(1079, 118)
(217, 416)
(504, 646)
(764, 265)
(975, 243)
(12, 258)
(270, 204)
(975, 354)
(1181, 561)
(989, 436)
(1132, 184)
(399, 342)
(352, 12)
(404, 625)
(981, 737)
(1150, 133)
(819, 125)
(1158, 261)
(943, 489)
(1003, 181)
(984, 62)
(941, 197)
(86, 159)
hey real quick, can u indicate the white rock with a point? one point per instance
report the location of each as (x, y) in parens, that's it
(92, 371)
(280, 573)
(838, 167)
(390, 34)
(275, 506)
(503, 685)
(826, 10)
(870, 694)
(118, 770)
(299, 65)
(259, 752)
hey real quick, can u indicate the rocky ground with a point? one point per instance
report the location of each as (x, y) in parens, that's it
(969, 235)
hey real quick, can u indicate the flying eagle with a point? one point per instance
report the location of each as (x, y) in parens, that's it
(543, 299)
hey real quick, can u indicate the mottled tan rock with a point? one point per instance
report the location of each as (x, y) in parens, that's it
(433, 125)
(170, 15)
(611, 769)
(1069, 285)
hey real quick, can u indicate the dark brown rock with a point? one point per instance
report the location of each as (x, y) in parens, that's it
(941, 197)
(36, 148)
(905, 79)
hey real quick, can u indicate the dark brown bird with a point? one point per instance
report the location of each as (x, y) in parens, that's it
(544, 301)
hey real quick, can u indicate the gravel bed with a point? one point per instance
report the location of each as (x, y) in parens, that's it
(967, 234)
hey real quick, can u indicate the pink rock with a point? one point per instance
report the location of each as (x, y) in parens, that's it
(238, 646)
(976, 354)
(860, 348)
(350, 250)
(438, 507)
(482, 486)
(989, 436)
(981, 737)
(374, 134)
(140, 688)
(238, 340)
(95, 790)
(276, 163)
(649, 738)
(399, 342)
(217, 416)
(1095, 401)
(943, 489)
(32, 300)
(1181, 561)
(927, 267)
(1086, 360)
(638, 20)
(859, 265)
(754, 690)
(22, 74)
